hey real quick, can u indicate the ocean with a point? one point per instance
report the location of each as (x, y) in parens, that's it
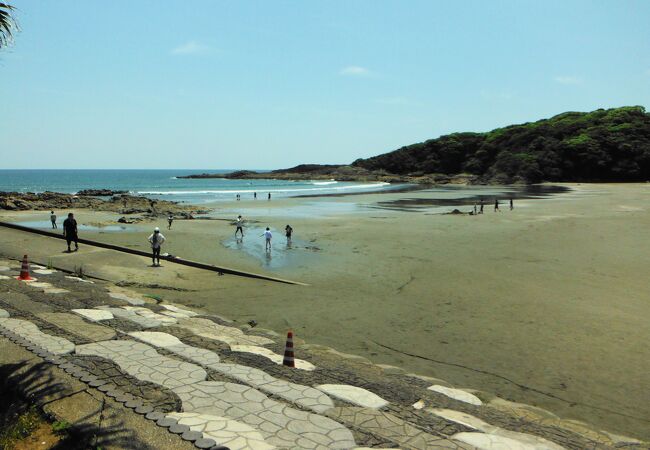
(164, 184)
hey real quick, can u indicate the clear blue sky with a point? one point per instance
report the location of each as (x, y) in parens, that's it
(269, 84)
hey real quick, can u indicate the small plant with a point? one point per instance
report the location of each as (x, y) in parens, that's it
(22, 427)
(60, 427)
(50, 264)
(79, 271)
(155, 297)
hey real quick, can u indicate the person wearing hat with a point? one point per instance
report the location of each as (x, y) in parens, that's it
(156, 239)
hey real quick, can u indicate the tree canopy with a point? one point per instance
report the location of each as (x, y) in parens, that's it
(602, 145)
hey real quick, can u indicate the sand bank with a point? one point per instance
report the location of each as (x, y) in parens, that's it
(546, 305)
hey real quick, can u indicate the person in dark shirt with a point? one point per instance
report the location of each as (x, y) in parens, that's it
(70, 232)
(288, 231)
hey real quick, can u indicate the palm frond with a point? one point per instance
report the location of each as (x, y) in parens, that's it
(8, 24)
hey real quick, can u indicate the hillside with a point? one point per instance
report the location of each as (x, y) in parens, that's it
(603, 145)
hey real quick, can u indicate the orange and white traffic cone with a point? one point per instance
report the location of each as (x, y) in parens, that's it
(24, 271)
(288, 351)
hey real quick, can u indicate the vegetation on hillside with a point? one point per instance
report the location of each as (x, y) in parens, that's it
(603, 145)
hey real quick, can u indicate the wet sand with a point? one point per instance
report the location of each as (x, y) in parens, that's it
(546, 305)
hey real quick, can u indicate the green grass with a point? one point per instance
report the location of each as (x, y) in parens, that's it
(21, 427)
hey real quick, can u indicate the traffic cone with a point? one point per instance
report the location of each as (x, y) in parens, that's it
(24, 271)
(288, 351)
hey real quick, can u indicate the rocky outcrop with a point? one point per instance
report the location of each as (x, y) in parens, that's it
(100, 192)
(123, 204)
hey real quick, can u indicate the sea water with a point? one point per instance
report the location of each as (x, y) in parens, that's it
(165, 184)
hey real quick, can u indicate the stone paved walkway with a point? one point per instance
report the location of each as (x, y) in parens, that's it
(30, 332)
(235, 400)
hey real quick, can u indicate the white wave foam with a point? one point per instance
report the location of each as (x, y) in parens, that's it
(263, 191)
(324, 183)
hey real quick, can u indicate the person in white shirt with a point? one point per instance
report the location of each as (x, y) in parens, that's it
(240, 224)
(156, 239)
(268, 236)
(53, 219)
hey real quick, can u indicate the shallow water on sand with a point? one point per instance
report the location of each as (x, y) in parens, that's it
(47, 225)
(283, 253)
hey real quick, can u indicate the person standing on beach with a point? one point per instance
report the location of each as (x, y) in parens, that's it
(288, 231)
(70, 232)
(496, 205)
(53, 220)
(475, 211)
(511, 205)
(156, 240)
(267, 236)
(254, 195)
(240, 226)
(269, 198)
(481, 207)
(170, 219)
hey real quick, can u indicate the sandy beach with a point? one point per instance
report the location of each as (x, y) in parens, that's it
(546, 305)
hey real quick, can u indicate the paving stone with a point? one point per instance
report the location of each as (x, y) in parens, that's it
(355, 395)
(155, 415)
(79, 280)
(3, 313)
(5, 268)
(204, 443)
(95, 315)
(174, 345)
(144, 409)
(4, 277)
(456, 394)
(192, 435)
(229, 335)
(271, 355)
(126, 298)
(524, 440)
(392, 428)
(144, 363)
(179, 313)
(131, 316)
(149, 314)
(55, 290)
(485, 441)
(230, 433)
(76, 325)
(39, 285)
(31, 333)
(133, 403)
(167, 422)
(304, 396)
(178, 428)
(44, 271)
(278, 423)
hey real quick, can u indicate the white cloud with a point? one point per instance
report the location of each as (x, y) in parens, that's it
(190, 48)
(567, 79)
(354, 71)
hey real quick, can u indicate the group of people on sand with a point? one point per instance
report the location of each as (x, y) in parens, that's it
(71, 234)
(238, 196)
(268, 235)
(478, 208)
